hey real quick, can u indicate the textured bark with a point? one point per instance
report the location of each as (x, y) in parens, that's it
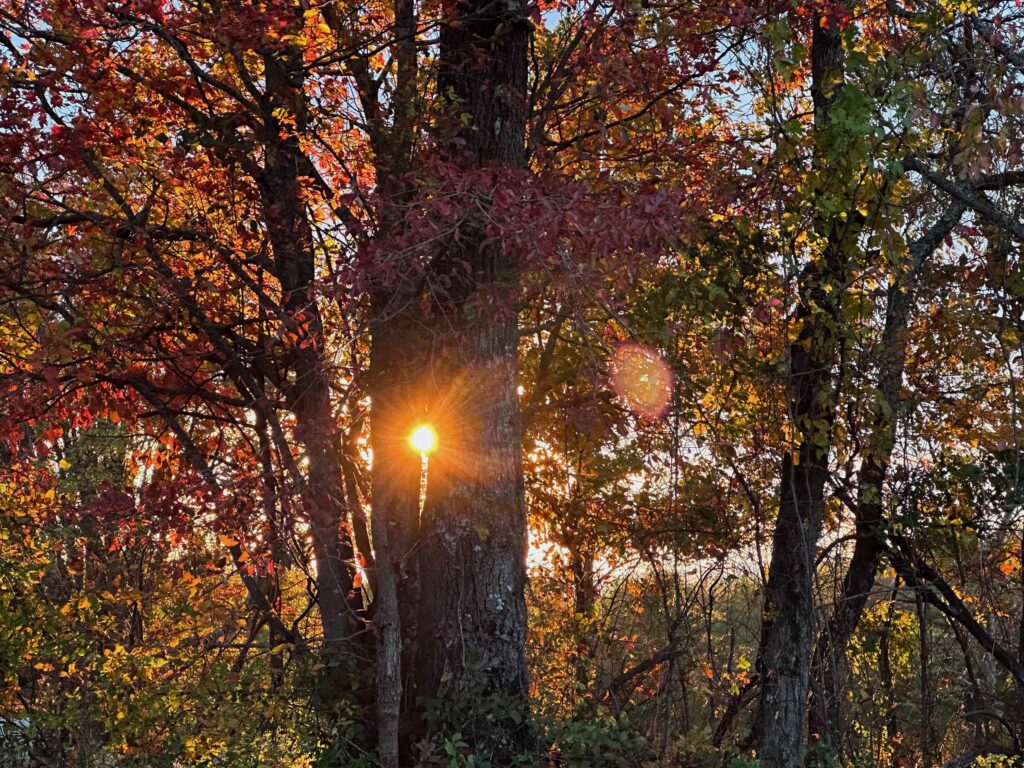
(397, 359)
(786, 635)
(786, 630)
(396, 402)
(388, 701)
(472, 625)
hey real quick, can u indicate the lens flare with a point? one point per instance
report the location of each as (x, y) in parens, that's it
(642, 379)
(423, 438)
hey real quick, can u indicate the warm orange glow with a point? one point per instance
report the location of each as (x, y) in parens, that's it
(423, 438)
(642, 379)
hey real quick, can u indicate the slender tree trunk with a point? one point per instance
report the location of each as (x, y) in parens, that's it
(933, 588)
(584, 595)
(1020, 651)
(397, 362)
(472, 627)
(927, 692)
(892, 725)
(271, 583)
(396, 406)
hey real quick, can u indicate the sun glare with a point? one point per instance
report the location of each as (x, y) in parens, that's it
(642, 379)
(423, 438)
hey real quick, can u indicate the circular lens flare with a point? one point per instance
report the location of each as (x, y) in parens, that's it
(423, 438)
(642, 379)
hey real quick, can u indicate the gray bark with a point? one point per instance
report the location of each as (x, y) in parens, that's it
(786, 635)
(472, 620)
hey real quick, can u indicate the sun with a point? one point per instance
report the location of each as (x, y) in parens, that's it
(423, 438)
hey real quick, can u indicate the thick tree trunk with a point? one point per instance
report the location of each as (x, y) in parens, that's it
(472, 564)
(787, 623)
(472, 626)
(786, 636)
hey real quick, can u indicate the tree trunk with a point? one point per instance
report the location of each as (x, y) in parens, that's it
(395, 389)
(1020, 654)
(472, 627)
(584, 597)
(885, 676)
(785, 649)
(927, 692)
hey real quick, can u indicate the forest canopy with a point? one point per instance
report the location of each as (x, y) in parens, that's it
(493, 383)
